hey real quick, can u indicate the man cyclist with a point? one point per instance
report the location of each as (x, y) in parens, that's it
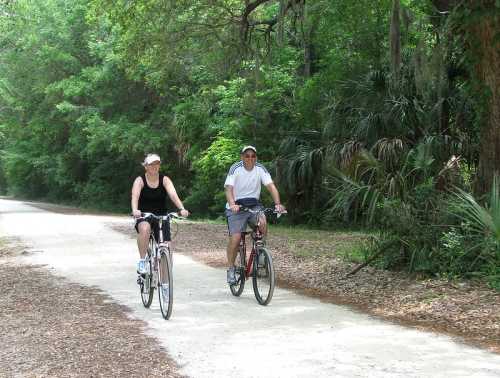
(149, 195)
(242, 188)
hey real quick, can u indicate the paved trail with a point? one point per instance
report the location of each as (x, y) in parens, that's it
(213, 334)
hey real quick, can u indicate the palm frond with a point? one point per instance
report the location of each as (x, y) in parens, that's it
(483, 220)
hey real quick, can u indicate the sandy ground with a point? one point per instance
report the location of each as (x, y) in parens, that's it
(200, 337)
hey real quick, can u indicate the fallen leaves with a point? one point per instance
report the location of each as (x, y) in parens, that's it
(51, 327)
(468, 309)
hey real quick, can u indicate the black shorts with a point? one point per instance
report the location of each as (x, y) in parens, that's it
(155, 227)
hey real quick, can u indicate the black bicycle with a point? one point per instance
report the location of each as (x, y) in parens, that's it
(158, 263)
(259, 265)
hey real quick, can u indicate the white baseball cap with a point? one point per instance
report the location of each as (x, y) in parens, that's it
(248, 148)
(150, 159)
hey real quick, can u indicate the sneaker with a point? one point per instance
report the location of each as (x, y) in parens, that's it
(262, 260)
(141, 267)
(164, 291)
(231, 277)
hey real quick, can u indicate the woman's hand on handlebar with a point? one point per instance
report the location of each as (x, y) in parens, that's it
(136, 213)
(184, 213)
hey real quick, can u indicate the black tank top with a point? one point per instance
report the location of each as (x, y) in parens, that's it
(153, 200)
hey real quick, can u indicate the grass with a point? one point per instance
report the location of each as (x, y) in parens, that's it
(310, 243)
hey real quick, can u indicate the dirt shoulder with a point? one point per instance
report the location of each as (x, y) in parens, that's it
(51, 327)
(469, 311)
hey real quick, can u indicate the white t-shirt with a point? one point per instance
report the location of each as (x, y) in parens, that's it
(247, 184)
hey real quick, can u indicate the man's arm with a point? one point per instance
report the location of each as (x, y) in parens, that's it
(276, 197)
(136, 192)
(230, 198)
(172, 193)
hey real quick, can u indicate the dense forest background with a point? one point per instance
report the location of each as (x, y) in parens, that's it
(379, 114)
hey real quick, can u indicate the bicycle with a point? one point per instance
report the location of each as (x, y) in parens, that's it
(158, 263)
(259, 264)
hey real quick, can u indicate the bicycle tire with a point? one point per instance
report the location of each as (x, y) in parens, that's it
(263, 277)
(165, 283)
(146, 286)
(238, 287)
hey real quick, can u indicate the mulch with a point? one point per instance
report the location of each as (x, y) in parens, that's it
(50, 327)
(466, 310)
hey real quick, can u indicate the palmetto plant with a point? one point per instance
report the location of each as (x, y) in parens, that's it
(475, 245)
(378, 141)
(483, 221)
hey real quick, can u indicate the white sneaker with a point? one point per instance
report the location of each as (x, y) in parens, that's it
(141, 266)
(262, 260)
(164, 291)
(231, 276)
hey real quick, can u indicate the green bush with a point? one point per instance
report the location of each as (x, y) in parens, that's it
(207, 196)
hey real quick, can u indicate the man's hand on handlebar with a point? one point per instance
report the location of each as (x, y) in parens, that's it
(235, 208)
(280, 209)
(136, 214)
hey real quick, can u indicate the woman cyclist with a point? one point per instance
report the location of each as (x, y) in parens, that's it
(149, 195)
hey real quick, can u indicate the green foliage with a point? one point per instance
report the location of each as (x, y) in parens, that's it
(474, 245)
(88, 86)
(484, 221)
(211, 169)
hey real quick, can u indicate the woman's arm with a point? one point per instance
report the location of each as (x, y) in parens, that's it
(172, 193)
(136, 192)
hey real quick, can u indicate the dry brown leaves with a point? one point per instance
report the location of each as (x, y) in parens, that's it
(468, 310)
(50, 327)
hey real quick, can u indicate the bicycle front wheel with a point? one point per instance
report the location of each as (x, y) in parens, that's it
(146, 284)
(165, 287)
(263, 276)
(237, 288)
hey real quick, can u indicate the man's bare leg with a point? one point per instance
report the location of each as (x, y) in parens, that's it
(232, 249)
(263, 225)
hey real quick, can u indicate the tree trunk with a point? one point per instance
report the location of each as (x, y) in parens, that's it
(486, 49)
(482, 37)
(309, 27)
(395, 40)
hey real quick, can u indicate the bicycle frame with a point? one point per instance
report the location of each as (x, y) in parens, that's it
(261, 272)
(157, 244)
(159, 261)
(257, 238)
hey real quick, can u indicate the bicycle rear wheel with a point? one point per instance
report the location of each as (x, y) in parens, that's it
(165, 287)
(263, 276)
(238, 287)
(146, 283)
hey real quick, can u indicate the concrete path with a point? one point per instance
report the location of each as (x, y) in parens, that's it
(213, 334)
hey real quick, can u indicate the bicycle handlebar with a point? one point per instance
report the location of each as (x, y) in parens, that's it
(264, 210)
(169, 216)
